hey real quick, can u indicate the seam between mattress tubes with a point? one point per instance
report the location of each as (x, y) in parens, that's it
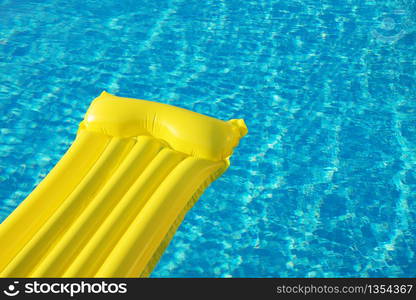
(128, 188)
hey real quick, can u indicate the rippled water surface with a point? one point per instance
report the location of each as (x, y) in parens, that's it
(325, 182)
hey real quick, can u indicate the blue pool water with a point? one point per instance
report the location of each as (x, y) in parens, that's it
(325, 182)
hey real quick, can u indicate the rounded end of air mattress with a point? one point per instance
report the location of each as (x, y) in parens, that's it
(186, 131)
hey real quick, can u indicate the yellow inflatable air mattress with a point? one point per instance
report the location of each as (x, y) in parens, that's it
(113, 202)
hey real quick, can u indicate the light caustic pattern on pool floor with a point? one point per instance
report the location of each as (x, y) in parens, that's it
(323, 185)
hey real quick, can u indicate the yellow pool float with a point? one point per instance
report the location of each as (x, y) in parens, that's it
(113, 202)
